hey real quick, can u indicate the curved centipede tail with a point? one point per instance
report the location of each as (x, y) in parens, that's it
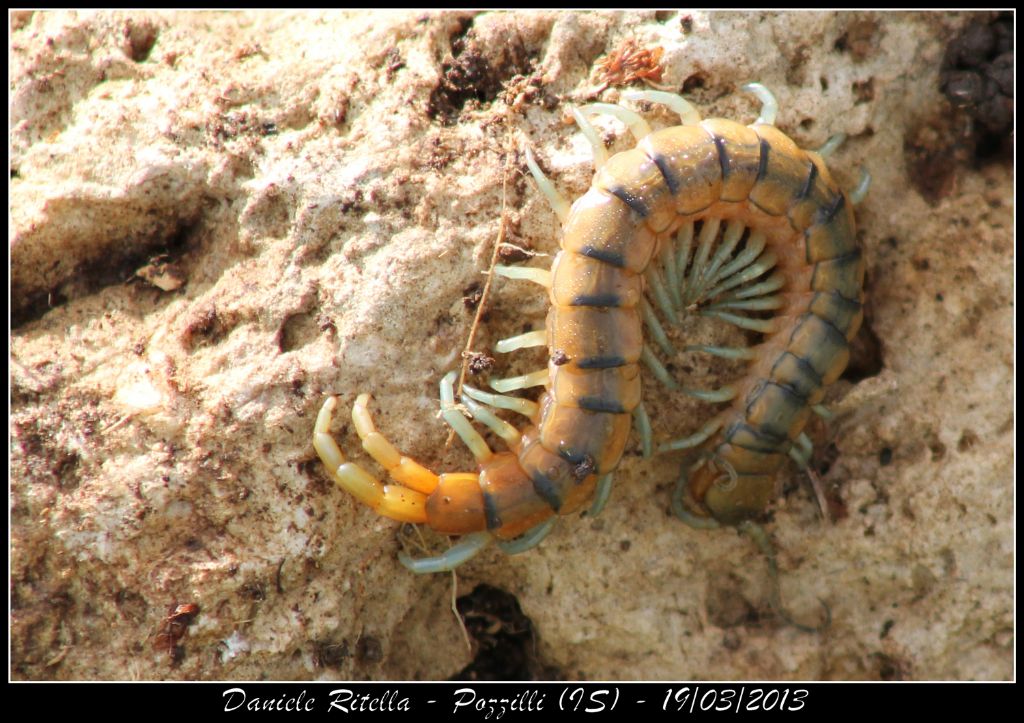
(760, 537)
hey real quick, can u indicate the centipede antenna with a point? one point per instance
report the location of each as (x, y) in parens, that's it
(769, 106)
(523, 341)
(557, 201)
(643, 428)
(602, 494)
(463, 550)
(760, 538)
(633, 120)
(831, 145)
(590, 133)
(525, 407)
(677, 104)
(533, 379)
(529, 539)
(860, 191)
(527, 273)
(462, 426)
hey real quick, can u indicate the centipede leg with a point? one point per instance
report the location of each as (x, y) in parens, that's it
(655, 327)
(467, 547)
(824, 412)
(590, 133)
(643, 428)
(831, 145)
(529, 539)
(541, 277)
(860, 191)
(499, 426)
(801, 453)
(526, 407)
(675, 103)
(712, 270)
(523, 341)
(694, 440)
(760, 537)
(634, 121)
(455, 419)
(404, 502)
(769, 106)
(602, 493)
(558, 202)
(534, 379)
(679, 506)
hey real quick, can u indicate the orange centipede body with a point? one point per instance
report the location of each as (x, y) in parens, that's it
(712, 217)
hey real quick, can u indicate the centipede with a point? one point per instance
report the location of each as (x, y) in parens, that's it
(709, 217)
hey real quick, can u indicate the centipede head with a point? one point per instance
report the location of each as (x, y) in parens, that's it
(727, 497)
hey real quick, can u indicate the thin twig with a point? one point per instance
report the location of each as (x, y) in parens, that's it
(498, 241)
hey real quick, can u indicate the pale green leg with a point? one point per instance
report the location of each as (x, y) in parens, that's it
(460, 552)
(529, 539)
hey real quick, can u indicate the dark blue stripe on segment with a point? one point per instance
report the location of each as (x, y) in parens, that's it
(491, 511)
(807, 369)
(636, 203)
(808, 184)
(546, 489)
(762, 163)
(671, 179)
(770, 441)
(601, 362)
(826, 214)
(840, 337)
(841, 334)
(794, 399)
(853, 256)
(723, 157)
(609, 257)
(602, 300)
(597, 404)
(808, 379)
(851, 306)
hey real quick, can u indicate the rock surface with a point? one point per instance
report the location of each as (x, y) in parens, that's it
(218, 219)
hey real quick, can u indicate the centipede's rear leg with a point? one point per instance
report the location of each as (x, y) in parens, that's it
(406, 501)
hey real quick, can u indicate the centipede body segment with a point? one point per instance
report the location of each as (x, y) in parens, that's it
(711, 217)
